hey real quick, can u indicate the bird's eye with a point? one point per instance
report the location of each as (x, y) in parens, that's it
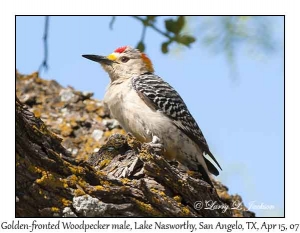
(124, 59)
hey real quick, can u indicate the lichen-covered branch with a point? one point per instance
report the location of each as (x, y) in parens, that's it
(123, 178)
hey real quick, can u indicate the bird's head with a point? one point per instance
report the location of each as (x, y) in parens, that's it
(124, 62)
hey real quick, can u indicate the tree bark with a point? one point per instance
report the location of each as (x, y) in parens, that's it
(124, 178)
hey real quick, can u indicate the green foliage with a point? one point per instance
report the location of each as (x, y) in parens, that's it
(173, 31)
(186, 40)
(175, 26)
(141, 46)
(225, 34)
(164, 47)
(221, 34)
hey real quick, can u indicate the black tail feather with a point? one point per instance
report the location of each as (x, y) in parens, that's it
(213, 158)
(212, 169)
(205, 175)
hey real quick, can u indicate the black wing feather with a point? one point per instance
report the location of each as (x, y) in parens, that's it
(159, 95)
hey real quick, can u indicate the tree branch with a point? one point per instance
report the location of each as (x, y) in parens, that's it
(151, 25)
(44, 64)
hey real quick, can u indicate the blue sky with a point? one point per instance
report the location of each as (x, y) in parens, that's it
(242, 120)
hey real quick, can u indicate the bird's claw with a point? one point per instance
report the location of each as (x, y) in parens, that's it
(156, 145)
(155, 140)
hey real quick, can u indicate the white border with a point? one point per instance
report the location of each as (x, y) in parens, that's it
(7, 72)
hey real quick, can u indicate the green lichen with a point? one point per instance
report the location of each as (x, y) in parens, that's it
(185, 211)
(76, 170)
(147, 208)
(65, 202)
(79, 192)
(44, 130)
(55, 210)
(160, 193)
(104, 163)
(51, 180)
(125, 180)
(101, 188)
(177, 198)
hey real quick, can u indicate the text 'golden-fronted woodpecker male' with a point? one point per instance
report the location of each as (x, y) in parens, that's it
(149, 108)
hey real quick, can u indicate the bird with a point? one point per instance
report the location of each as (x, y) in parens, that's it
(152, 110)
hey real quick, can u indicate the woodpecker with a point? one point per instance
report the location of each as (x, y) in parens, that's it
(152, 110)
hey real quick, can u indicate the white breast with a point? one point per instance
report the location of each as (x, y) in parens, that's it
(132, 113)
(143, 122)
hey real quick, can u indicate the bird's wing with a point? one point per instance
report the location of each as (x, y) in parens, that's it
(159, 95)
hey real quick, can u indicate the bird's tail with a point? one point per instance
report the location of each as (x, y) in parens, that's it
(203, 169)
(205, 175)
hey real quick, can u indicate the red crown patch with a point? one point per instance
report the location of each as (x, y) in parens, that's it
(120, 49)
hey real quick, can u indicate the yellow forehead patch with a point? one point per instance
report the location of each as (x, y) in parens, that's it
(147, 62)
(112, 57)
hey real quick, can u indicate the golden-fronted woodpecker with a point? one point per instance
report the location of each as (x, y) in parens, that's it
(149, 108)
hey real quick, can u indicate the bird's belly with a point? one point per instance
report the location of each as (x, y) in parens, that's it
(144, 123)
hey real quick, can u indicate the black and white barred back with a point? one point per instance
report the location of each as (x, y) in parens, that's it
(159, 95)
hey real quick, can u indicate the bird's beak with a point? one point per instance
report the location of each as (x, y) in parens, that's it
(100, 59)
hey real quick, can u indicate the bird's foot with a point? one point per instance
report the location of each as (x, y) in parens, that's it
(156, 145)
